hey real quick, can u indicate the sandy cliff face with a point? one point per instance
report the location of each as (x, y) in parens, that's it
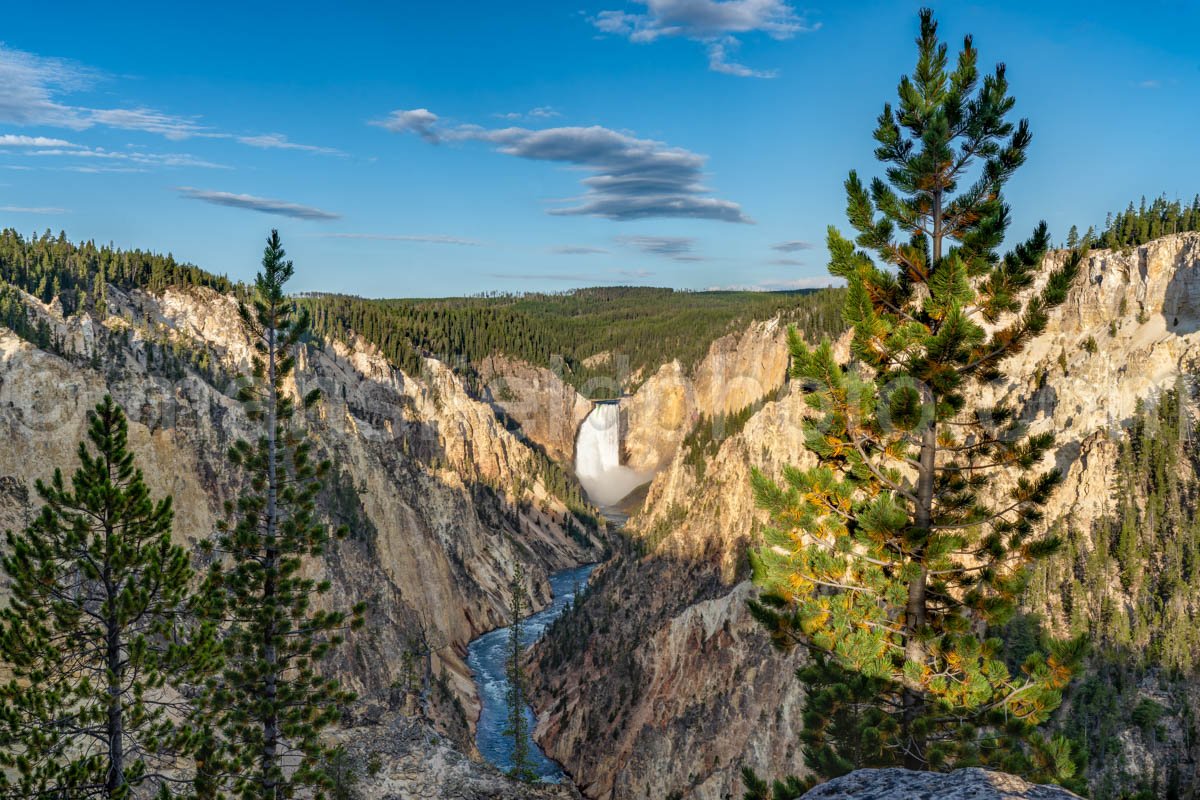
(441, 498)
(548, 409)
(738, 369)
(1142, 311)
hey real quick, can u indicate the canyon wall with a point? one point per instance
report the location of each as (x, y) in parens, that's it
(440, 498)
(1129, 328)
(739, 368)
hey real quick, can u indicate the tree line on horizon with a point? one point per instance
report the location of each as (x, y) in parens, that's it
(601, 340)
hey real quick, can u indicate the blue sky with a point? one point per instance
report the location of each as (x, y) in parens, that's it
(457, 147)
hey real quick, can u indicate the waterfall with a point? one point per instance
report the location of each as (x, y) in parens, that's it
(598, 457)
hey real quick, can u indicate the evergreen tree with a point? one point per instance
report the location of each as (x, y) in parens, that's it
(93, 633)
(889, 558)
(271, 701)
(517, 697)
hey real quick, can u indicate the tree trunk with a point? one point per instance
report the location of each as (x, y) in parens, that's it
(270, 751)
(913, 698)
(114, 723)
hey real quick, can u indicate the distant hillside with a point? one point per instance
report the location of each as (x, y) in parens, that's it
(622, 331)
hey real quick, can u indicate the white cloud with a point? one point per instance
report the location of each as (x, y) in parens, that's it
(676, 248)
(420, 121)
(716, 23)
(718, 61)
(264, 205)
(131, 156)
(33, 89)
(630, 178)
(33, 210)
(541, 112)
(578, 250)
(13, 140)
(277, 141)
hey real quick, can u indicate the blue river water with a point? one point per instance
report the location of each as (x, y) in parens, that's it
(486, 657)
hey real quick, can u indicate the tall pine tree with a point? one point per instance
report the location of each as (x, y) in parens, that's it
(271, 701)
(94, 633)
(517, 697)
(891, 557)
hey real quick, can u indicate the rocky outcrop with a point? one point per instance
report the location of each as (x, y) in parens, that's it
(963, 784)
(738, 370)
(1128, 330)
(398, 758)
(440, 497)
(548, 410)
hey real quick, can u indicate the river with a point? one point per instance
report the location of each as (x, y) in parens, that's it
(486, 657)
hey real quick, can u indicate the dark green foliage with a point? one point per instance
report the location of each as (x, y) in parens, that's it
(704, 441)
(890, 556)
(51, 266)
(94, 633)
(1131, 584)
(641, 327)
(271, 698)
(1162, 217)
(517, 697)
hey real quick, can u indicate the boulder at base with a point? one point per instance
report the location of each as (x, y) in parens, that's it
(906, 784)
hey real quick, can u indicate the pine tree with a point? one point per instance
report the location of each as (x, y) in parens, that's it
(94, 634)
(271, 701)
(517, 697)
(889, 558)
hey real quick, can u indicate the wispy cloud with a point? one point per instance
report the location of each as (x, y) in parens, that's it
(1150, 83)
(13, 140)
(264, 205)
(389, 237)
(716, 23)
(420, 121)
(142, 159)
(676, 248)
(786, 262)
(794, 284)
(33, 92)
(630, 178)
(541, 112)
(792, 246)
(277, 141)
(578, 250)
(33, 210)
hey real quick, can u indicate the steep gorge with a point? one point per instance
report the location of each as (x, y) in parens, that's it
(440, 498)
(638, 686)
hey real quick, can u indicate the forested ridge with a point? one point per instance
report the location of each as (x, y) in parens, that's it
(1144, 223)
(638, 328)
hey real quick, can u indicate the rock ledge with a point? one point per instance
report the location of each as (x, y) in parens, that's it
(963, 784)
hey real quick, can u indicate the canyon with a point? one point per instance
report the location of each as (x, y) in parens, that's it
(665, 664)
(656, 682)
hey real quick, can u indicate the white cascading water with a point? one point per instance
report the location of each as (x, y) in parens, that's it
(598, 457)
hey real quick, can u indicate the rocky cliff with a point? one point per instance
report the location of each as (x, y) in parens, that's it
(738, 369)
(1129, 327)
(440, 497)
(963, 784)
